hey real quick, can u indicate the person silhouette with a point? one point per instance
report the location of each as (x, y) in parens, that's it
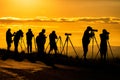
(9, 36)
(29, 36)
(104, 37)
(86, 40)
(17, 37)
(52, 38)
(40, 40)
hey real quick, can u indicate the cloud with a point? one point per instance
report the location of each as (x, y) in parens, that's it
(110, 20)
(9, 18)
(89, 19)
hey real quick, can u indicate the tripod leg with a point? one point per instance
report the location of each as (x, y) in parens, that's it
(73, 47)
(24, 44)
(67, 48)
(97, 53)
(35, 44)
(110, 49)
(63, 46)
(59, 39)
(92, 47)
(47, 47)
(96, 42)
(21, 46)
(107, 54)
(97, 46)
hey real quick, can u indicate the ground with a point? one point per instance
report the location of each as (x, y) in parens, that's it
(25, 70)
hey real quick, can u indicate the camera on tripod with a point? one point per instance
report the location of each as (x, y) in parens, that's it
(107, 33)
(68, 34)
(94, 30)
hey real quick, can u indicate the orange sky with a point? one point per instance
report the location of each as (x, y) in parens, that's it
(97, 12)
(59, 8)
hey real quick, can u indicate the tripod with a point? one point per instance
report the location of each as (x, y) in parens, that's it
(94, 39)
(110, 49)
(66, 43)
(107, 52)
(35, 43)
(61, 44)
(22, 41)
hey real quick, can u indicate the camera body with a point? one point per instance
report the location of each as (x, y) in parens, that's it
(107, 33)
(94, 30)
(68, 34)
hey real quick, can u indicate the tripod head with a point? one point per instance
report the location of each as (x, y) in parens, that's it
(68, 34)
(93, 32)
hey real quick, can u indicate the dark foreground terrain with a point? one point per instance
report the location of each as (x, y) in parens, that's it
(24, 67)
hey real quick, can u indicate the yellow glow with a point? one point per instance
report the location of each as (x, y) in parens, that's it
(59, 8)
(26, 3)
(64, 11)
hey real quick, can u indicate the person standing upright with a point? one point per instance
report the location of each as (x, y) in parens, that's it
(29, 36)
(52, 38)
(40, 40)
(104, 37)
(9, 36)
(17, 37)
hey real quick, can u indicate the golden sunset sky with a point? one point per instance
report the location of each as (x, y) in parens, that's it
(59, 8)
(71, 13)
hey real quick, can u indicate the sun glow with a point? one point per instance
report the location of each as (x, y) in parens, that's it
(26, 3)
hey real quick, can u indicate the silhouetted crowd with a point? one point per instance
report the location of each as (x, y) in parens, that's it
(41, 40)
(88, 35)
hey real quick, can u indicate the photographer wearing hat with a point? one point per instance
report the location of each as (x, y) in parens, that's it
(104, 37)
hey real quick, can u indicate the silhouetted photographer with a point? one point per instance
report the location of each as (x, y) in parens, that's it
(88, 34)
(104, 37)
(53, 45)
(17, 37)
(40, 40)
(9, 40)
(29, 36)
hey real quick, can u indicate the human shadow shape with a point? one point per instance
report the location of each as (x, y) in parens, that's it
(29, 36)
(18, 35)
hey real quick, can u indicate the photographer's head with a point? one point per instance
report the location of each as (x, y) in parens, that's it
(105, 31)
(53, 32)
(89, 28)
(43, 30)
(29, 29)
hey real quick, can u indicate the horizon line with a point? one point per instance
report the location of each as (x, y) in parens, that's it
(111, 20)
